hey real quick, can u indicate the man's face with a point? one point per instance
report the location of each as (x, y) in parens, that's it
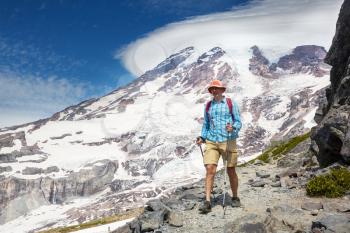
(216, 91)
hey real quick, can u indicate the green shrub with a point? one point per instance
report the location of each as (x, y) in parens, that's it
(342, 177)
(334, 184)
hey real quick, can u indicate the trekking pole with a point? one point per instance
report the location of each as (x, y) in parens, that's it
(200, 146)
(225, 186)
(225, 175)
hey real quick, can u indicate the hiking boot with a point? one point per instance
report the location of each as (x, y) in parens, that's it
(205, 207)
(235, 202)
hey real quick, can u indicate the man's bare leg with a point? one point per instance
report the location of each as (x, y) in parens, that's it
(209, 180)
(231, 172)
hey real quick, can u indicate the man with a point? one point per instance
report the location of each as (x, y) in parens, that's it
(220, 130)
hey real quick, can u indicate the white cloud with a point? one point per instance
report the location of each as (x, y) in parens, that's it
(268, 24)
(26, 98)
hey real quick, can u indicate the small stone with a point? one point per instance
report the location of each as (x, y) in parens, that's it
(312, 206)
(189, 205)
(277, 177)
(175, 219)
(190, 196)
(217, 191)
(343, 209)
(258, 162)
(314, 212)
(300, 173)
(258, 183)
(291, 172)
(274, 179)
(262, 175)
(316, 230)
(250, 181)
(286, 182)
(276, 184)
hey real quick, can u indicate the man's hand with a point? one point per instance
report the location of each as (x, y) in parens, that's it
(229, 128)
(199, 141)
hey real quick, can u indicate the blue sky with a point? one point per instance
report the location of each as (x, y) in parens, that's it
(56, 53)
(76, 39)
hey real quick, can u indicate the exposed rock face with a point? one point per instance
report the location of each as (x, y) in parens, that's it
(331, 138)
(201, 72)
(62, 136)
(17, 195)
(306, 59)
(8, 140)
(252, 133)
(32, 171)
(258, 64)
(123, 103)
(169, 64)
(5, 169)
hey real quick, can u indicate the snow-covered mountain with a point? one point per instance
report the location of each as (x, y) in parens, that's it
(104, 155)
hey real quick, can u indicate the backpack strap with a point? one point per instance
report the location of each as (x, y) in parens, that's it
(207, 107)
(229, 104)
(230, 107)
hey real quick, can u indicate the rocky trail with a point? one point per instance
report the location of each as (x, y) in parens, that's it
(273, 199)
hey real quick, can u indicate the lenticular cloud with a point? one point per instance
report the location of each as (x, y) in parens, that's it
(275, 26)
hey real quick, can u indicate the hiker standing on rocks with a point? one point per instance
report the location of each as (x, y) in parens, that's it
(219, 133)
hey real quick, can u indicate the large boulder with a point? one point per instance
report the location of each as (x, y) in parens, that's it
(331, 138)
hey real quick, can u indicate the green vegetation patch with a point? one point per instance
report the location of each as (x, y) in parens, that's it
(334, 184)
(279, 148)
(97, 222)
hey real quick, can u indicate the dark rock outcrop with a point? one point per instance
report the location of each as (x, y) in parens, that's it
(5, 169)
(32, 171)
(332, 223)
(169, 64)
(6, 140)
(258, 64)
(331, 138)
(23, 194)
(60, 137)
(304, 59)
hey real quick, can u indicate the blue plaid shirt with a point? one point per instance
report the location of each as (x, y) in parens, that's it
(214, 129)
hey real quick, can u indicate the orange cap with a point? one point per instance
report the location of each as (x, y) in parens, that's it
(216, 83)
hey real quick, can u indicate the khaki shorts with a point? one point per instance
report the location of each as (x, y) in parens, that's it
(214, 150)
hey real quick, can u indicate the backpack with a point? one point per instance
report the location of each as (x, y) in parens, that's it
(229, 104)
